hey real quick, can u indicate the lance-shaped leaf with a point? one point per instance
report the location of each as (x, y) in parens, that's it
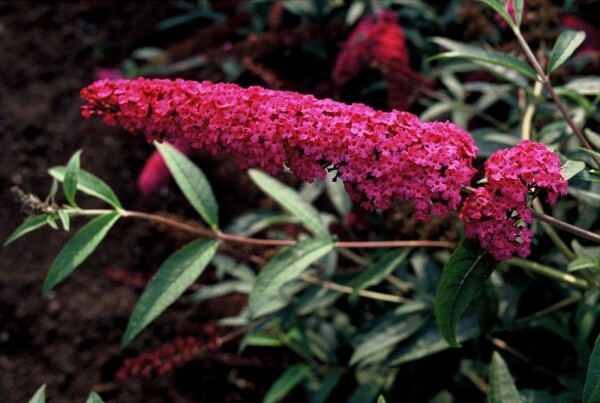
(564, 47)
(39, 396)
(71, 178)
(501, 10)
(286, 266)
(286, 382)
(571, 168)
(192, 182)
(519, 5)
(490, 56)
(502, 385)
(326, 386)
(30, 225)
(94, 398)
(171, 280)
(379, 271)
(290, 200)
(591, 391)
(88, 184)
(78, 248)
(463, 277)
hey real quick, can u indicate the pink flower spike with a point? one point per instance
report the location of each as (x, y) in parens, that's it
(380, 156)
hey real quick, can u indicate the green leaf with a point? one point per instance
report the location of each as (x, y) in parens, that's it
(31, 224)
(94, 398)
(501, 10)
(588, 85)
(518, 4)
(51, 222)
(429, 341)
(220, 289)
(367, 392)
(39, 396)
(502, 385)
(326, 387)
(291, 201)
(192, 182)
(564, 47)
(171, 280)
(79, 247)
(71, 178)
(88, 184)
(287, 265)
(581, 263)
(571, 168)
(463, 277)
(381, 399)
(64, 219)
(492, 57)
(381, 340)
(286, 382)
(379, 271)
(591, 390)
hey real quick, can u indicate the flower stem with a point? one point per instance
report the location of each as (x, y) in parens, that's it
(549, 272)
(566, 226)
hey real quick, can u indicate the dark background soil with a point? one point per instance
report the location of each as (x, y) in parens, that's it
(70, 339)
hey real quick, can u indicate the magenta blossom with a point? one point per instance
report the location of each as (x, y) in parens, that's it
(497, 213)
(379, 156)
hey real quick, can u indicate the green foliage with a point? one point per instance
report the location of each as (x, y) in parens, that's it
(565, 45)
(502, 385)
(365, 317)
(94, 398)
(380, 270)
(286, 266)
(88, 184)
(71, 178)
(591, 391)
(286, 382)
(192, 182)
(29, 225)
(291, 201)
(78, 248)
(462, 279)
(39, 396)
(173, 277)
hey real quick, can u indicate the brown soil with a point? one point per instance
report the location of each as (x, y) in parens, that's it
(70, 339)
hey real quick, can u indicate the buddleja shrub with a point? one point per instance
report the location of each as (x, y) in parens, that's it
(360, 155)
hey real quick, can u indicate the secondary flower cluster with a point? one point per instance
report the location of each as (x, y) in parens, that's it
(496, 214)
(378, 41)
(379, 156)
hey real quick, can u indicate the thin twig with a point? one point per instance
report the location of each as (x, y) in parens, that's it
(566, 226)
(204, 232)
(552, 308)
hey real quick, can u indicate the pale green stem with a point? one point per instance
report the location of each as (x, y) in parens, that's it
(552, 308)
(530, 111)
(549, 272)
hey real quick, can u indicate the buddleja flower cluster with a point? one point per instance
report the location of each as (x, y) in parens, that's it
(378, 41)
(497, 213)
(380, 156)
